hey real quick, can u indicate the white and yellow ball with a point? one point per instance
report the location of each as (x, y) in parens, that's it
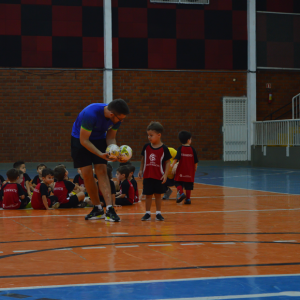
(125, 153)
(113, 151)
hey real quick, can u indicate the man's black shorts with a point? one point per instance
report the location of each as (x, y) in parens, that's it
(82, 157)
(153, 186)
(188, 186)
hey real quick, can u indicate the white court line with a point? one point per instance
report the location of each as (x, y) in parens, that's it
(119, 233)
(127, 246)
(269, 295)
(86, 248)
(291, 241)
(17, 251)
(62, 249)
(150, 281)
(168, 213)
(224, 243)
(191, 244)
(1, 251)
(160, 245)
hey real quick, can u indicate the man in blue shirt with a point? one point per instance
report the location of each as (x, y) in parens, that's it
(94, 129)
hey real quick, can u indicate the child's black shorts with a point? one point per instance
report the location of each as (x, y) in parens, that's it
(73, 202)
(82, 157)
(188, 186)
(153, 186)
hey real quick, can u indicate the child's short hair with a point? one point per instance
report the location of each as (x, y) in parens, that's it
(41, 165)
(18, 164)
(47, 171)
(123, 170)
(12, 174)
(131, 168)
(127, 163)
(155, 126)
(61, 165)
(184, 136)
(109, 171)
(59, 172)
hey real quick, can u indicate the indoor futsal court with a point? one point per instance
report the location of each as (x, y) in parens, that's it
(238, 240)
(107, 105)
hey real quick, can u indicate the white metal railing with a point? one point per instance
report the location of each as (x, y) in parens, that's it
(285, 133)
(296, 107)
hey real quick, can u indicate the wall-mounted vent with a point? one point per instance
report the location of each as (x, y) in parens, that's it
(181, 1)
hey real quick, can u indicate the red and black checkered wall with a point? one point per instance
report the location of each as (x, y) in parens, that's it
(69, 34)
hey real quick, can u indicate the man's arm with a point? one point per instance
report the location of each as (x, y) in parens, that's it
(111, 137)
(85, 142)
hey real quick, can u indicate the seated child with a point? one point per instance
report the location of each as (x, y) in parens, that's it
(38, 178)
(134, 183)
(126, 194)
(2, 180)
(12, 193)
(41, 198)
(20, 165)
(64, 187)
(112, 187)
(78, 179)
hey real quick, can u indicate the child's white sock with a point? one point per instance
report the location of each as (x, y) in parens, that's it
(158, 212)
(99, 206)
(148, 212)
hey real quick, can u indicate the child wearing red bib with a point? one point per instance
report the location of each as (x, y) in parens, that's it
(185, 172)
(154, 169)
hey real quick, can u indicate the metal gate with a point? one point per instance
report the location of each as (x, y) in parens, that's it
(235, 133)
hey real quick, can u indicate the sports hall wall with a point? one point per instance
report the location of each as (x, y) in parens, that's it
(172, 63)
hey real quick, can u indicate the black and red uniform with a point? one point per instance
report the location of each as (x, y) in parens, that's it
(62, 190)
(126, 188)
(136, 191)
(36, 180)
(42, 190)
(23, 183)
(154, 168)
(185, 172)
(112, 191)
(79, 180)
(10, 194)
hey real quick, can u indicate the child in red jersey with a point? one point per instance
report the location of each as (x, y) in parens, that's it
(12, 193)
(20, 165)
(154, 169)
(38, 178)
(64, 187)
(134, 183)
(41, 198)
(78, 179)
(187, 167)
(126, 194)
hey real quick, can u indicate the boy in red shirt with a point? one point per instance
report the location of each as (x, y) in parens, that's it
(64, 187)
(41, 198)
(20, 165)
(187, 167)
(12, 193)
(126, 194)
(38, 178)
(154, 169)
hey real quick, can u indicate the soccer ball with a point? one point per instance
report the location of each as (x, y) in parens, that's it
(113, 151)
(125, 153)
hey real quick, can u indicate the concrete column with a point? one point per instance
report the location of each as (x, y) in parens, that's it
(108, 72)
(251, 77)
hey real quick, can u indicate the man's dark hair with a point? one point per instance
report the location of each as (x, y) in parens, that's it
(131, 168)
(59, 173)
(41, 165)
(184, 136)
(155, 126)
(12, 174)
(123, 170)
(118, 107)
(47, 171)
(18, 164)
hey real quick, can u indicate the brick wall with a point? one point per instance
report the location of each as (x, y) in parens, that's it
(285, 85)
(38, 109)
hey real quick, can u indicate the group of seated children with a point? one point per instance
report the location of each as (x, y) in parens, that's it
(51, 188)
